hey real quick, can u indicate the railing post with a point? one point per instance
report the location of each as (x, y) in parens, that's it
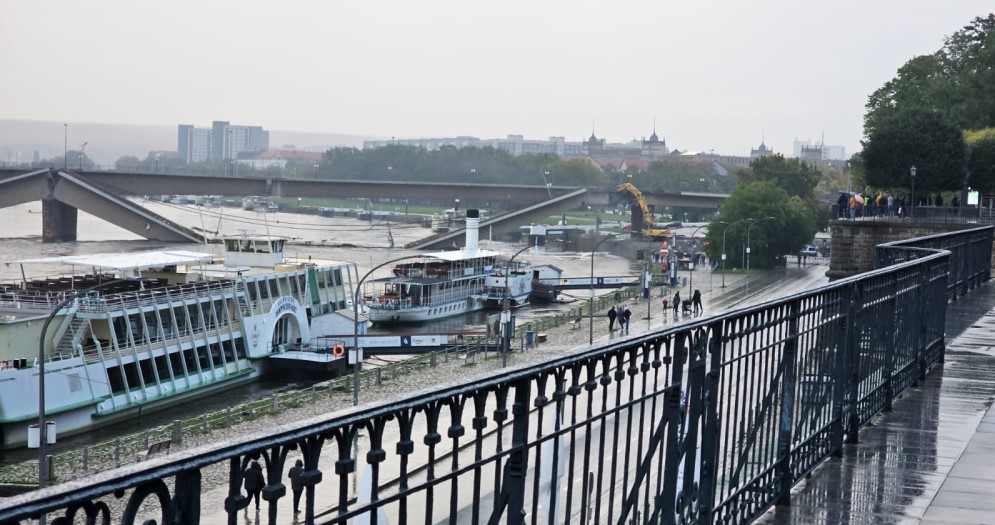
(515, 469)
(711, 427)
(890, 346)
(851, 357)
(783, 476)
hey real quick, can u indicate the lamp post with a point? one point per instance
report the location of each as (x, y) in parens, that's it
(590, 299)
(912, 172)
(752, 224)
(81, 148)
(355, 321)
(549, 190)
(506, 312)
(691, 264)
(724, 230)
(42, 424)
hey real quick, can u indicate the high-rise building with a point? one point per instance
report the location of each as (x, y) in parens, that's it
(222, 141)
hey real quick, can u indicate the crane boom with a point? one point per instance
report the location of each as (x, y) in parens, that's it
(648, 230)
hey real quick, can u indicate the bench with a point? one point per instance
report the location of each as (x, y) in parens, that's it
(576, 322)
(159, 447)
(540, 338)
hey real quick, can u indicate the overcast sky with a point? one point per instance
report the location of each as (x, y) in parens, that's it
(715, 74)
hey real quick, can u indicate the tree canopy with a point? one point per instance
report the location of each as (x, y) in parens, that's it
(791, 226)
(957, 81)
(796, 177)
(921, 138)
(981, 160)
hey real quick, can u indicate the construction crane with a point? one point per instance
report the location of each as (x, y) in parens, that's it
(646, 229)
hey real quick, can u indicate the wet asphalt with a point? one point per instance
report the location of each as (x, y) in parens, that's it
(929, 461)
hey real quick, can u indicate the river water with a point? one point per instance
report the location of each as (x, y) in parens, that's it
(326, 238)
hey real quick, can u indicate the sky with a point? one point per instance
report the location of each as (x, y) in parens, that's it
(715, 75)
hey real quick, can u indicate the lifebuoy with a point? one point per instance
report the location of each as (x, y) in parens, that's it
(338, 350)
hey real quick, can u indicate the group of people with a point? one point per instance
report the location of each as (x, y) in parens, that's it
(621, 314)
(853, 205)
(694, 304)
(254, 481)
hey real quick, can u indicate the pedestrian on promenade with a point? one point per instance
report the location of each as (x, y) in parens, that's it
(611, 318)
(677, 302)
(696, 301)
(254, 483)
(627, 314)
(295, 484)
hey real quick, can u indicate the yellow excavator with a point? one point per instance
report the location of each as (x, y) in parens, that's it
(646, 228)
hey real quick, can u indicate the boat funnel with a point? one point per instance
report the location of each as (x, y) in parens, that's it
(472, 225)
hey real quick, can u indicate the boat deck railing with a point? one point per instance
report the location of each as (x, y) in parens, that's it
(379, 302)
(141, 298)
(160, 339)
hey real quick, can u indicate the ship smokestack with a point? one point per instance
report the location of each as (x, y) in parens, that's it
(472, 225)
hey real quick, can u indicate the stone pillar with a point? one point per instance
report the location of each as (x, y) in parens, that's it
(58, 221)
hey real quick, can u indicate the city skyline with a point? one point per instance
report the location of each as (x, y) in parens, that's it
(717, 75)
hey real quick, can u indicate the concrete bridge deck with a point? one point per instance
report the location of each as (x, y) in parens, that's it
(930, 461)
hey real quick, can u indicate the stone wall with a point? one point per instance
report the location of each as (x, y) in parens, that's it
(854, 241)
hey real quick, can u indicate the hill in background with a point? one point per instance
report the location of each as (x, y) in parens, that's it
(106, 143)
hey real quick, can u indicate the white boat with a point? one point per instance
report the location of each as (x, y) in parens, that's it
(447, 283)
(161, 328)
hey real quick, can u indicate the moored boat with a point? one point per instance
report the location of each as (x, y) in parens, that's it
(447, 283)
(148, 330)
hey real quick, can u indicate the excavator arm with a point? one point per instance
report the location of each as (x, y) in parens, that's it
(648, 230)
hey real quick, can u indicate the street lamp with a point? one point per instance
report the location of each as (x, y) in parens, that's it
(590, 300)
(316, 172)
(357, 351)
(724, 230)
(506, 312)
(549, 190)
(42, 424)
(691, 264)
(81, 148)
(755, 221)
(912, 172)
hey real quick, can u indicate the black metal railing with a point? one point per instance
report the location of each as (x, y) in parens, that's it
(707, 422)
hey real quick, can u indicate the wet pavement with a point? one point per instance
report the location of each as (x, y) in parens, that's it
(929, 461)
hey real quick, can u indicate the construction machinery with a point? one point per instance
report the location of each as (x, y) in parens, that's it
(644, 223)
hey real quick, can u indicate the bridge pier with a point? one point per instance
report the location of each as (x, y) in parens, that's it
(58, 221)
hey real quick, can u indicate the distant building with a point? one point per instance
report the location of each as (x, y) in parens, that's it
(761, 151)
(818, 152)
(222, 141)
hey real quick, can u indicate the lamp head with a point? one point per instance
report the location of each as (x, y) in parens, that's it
(912, 171)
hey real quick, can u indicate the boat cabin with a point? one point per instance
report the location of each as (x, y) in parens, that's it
(258, 251)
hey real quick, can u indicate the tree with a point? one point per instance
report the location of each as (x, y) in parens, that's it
(796, 177)
(981, 161)
(793, 225)
(921, 138)
(957, 81)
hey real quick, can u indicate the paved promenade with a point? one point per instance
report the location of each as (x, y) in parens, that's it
(930, 461)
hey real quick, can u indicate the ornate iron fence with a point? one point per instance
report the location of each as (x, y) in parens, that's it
(711, 421)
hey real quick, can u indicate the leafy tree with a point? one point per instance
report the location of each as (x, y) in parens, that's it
(957, 81)
(921, 138)
(793, 224)
(981, 163)
(796, 177)
(127, 163)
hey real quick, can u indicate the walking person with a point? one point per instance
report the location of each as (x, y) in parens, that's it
(696, 301)
(626, 315)
(677, 302)
(295, 484)
(611, 319)
(254, 483)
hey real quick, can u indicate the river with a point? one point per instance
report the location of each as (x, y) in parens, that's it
(336, 238)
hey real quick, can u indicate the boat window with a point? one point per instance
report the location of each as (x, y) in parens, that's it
(262, 247)
(337, 274)
(274, 287)
(114, 378)
(278, 246)
(263, 289)
(246, 246)
(231, 245)
(176, 363)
